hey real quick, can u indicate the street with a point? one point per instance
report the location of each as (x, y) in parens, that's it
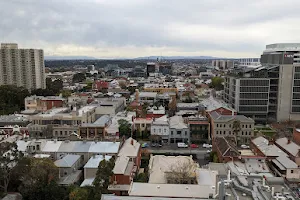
(199, 154)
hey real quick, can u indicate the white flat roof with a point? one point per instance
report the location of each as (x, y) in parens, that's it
(85, 109)
(94, 161)
(171, 190)
(130, 148)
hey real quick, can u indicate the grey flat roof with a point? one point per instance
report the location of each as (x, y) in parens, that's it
(113, 197)
(286, 162)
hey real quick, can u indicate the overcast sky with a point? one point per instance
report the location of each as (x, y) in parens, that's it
(133, 28)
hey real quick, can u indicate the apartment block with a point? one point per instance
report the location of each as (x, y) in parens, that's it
(22, 67)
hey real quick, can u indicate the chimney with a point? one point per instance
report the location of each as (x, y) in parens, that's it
(131, 142)
(298, 152)
(288, 141)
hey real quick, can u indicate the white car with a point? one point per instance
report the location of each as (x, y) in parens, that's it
(207, 146)
(182, 145)
(245, 146)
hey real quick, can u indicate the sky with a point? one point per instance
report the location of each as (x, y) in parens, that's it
(134, 28)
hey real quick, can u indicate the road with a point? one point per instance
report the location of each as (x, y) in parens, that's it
(199, 154)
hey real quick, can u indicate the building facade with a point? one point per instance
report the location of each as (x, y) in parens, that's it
(270, 92)
(22, 67)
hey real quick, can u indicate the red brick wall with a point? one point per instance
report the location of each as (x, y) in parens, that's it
(138, 159)
(53, 103)
(121, 179)
(296, 136)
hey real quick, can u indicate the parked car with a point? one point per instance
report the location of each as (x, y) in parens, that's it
(208, 151)
(182, 145)
(207, 146)
(159, 145)
(245, 146)
(194, 146)
(153, 145)
(145, 145)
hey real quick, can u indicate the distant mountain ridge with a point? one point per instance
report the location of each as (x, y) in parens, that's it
(138, 58)
(175, 57)
(69, 58)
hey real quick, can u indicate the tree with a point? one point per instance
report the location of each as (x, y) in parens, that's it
(78, 78)
(66, 93)
(182, 173)
(40, 179)
(142, 177)
(103, 176)
(9, 157)
(236, 128)
(124, 128)
(79, 194)
(217, 83)
(12, 99)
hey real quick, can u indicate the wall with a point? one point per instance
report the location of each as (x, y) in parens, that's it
(90, 172)
(294, 175)
(122, 179)
(285, 83)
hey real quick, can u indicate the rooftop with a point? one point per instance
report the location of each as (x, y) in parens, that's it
(285, 162)
(94, 161)
(130, 148)
(67, 161)
(147, 94)
(268, 150)
(212, 104)
(160, 164)
(288, 145)
(226, 118)
(177, 122)
(12, 118)
(171, 190)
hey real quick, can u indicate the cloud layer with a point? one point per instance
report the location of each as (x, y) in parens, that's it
(132, 28)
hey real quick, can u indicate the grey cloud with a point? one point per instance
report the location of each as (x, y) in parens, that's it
(140, 23)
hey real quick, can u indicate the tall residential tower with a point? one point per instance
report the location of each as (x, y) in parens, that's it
(22, 67)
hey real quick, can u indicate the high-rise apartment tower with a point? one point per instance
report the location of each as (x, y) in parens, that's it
(22, 67)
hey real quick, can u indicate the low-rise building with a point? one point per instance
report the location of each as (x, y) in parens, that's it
(226, 149)
(238, 126)
(286, 168)
(160, 127)
(90, 169)
(41, 103)
(179, 130)
(96, 129)
(199, 128)
(68, 168)
(290, 148)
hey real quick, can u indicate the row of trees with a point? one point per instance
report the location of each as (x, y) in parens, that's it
(37, 179)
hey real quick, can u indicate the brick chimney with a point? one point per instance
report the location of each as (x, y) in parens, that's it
(288, 141)
(131, 142)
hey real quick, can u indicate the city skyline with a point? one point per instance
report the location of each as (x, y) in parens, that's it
(134, 28)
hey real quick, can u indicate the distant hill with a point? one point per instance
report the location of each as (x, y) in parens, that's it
(175, 57)
(69, 58)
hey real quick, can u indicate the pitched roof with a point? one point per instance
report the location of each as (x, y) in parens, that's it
(226, 146)
(67, 161)
(94, 161)
(226, 118)
(121, 165)
(177, 122)
(289, 146)
(130, 148)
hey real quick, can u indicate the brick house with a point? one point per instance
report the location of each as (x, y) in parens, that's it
(226, 149)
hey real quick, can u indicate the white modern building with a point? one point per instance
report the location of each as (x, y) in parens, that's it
(22, 67)
(160, 127)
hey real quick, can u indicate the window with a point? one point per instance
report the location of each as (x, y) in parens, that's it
(217, 125)
(224, 132)
(242, 132)
(229, 125)
(61, 132)
(143, 125)
(165, 130)
(243, 126)
(224, 125)
(66, 132)
(229, 132)
(171, 132)
(292, 171)
(185, 132)
(178, 132)
(159, 130)
(154, 130)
